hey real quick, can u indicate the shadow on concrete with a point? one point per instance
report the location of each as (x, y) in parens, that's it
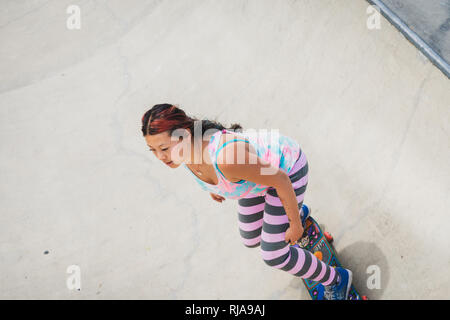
(360, 256)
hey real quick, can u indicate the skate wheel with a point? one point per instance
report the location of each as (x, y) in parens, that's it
(328, 236)
(318, 255)
(365, 298)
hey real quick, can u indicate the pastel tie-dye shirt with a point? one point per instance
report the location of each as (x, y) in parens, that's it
(281, 151)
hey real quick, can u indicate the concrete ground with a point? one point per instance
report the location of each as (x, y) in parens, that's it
(78, 186)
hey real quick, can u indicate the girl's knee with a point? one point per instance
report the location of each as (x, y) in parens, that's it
(275, 254)
(253, 246)
(251, 243)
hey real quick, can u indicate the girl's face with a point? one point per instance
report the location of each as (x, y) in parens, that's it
(168, 151)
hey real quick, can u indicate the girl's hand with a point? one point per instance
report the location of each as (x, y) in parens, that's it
(293, 233)
(217, 197)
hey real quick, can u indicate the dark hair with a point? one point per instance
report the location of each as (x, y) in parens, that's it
(168, 117)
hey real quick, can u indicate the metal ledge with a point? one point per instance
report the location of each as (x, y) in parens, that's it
(420, 44)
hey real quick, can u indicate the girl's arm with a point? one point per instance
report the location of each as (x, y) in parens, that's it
(252, 168)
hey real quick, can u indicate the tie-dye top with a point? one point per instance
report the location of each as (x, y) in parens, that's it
(281, 151)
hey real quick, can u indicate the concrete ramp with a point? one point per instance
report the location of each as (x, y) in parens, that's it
(84, 203)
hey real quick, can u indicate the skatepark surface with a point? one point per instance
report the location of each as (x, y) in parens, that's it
(80, 188)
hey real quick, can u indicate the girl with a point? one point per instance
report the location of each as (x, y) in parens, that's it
(266, 172)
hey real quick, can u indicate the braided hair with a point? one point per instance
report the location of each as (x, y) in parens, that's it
(168, 117)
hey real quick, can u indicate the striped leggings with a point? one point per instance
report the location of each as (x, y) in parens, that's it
(263, 222)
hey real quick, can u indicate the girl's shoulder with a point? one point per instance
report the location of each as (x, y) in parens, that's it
(227, 137)
(234, 143)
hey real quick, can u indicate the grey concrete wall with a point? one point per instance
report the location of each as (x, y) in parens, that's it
(429, 19)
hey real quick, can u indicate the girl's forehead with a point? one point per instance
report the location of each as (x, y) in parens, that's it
(158, 139)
